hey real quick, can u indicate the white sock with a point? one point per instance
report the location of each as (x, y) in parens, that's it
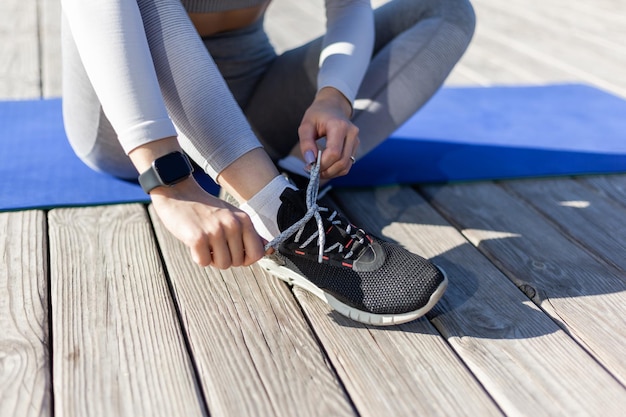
(263, 207)
(294, 165)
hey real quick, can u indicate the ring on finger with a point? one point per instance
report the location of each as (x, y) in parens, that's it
(353, 159)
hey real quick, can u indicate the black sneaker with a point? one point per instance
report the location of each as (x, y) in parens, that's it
(362, 277)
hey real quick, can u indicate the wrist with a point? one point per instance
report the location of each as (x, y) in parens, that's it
(183, 188)
(144, 155)
(166, 171)
(335, 98)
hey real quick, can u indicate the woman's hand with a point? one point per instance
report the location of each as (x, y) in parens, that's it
(329, 116)
(215, 232)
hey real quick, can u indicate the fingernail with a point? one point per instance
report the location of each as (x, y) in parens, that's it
(309, 157)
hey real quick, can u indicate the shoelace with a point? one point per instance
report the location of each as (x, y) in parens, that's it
(313, 210)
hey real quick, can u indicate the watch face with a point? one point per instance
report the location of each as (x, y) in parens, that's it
(172, 167)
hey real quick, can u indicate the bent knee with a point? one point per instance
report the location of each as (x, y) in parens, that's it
(106, 158)
(121, 167)
(95, 143)
(460, 13)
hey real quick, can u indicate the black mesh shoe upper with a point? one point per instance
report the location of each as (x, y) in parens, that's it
(362, 271)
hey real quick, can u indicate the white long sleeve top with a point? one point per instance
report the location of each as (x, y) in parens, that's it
(112, 44)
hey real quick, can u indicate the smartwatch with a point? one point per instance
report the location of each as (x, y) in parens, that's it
(166, 170)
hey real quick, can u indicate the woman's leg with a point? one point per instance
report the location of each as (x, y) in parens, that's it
(89, 132)
(418, 42)
(212, 128)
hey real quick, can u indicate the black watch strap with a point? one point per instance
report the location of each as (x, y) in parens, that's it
(166, 170)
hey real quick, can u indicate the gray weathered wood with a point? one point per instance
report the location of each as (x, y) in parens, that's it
(25, 378)
(254, 351)
(515, 43)
(397, 371)
(290, 24)
(585, 295)
(594, 221)
(118, 348)
(526, 363)
(19, 49)
(522, 362)
(603, 27)
(613, 186)
(50, 29)
(490, 61)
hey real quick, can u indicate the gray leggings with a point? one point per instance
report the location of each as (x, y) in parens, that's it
(418, 42)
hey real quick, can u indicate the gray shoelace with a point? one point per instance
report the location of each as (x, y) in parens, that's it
(313, 210)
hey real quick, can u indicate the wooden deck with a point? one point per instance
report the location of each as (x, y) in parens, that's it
(103, 313)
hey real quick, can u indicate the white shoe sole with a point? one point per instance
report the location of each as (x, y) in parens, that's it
(293, 278)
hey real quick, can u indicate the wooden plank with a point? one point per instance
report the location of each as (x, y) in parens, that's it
(584, 22)
(586, 296)
(254, 351)
(50, 29)
(563, 24)
(492, 62)
(19, 49)
(406, 370)
(290, 24)
(613, 186)
(520, 356)
(606, 17)
(462, 76)
(594, 221)
(524, 35)
(118, 348)
(25, 380)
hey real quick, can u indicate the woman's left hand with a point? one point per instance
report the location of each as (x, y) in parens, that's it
(329, 116)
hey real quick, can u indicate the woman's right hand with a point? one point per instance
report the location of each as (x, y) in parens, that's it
(216, 233)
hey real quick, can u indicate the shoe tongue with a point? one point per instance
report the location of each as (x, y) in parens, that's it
(292, 209)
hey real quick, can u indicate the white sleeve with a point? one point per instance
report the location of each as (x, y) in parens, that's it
(113, 48)
(347, 45)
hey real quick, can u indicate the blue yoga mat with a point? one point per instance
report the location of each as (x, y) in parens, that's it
(461, 134)
(38, 168)
(466, 134)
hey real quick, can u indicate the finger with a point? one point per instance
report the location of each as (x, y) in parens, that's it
(218, 244)
(308, 136)
(253, 246)
(201, 254)
(338, 169)
(236, 248)
(354, 141)
(336, 133)
(221, 253)
(269, 250)
(233, 230)
(343, 165)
